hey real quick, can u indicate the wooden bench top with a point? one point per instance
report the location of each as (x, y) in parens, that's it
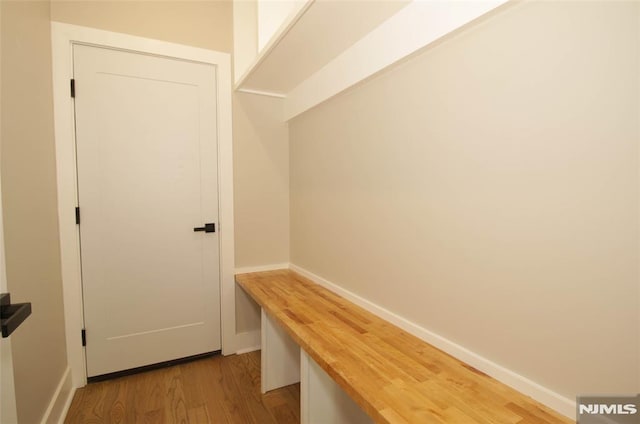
(393, 376)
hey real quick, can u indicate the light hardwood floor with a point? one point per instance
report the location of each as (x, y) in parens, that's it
(212, 390)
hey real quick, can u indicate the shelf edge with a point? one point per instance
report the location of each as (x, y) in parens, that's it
(273, 43)
(403, 34)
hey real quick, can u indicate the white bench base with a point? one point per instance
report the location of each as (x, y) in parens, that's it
(283, 362)
(280, 356)
(322, 400)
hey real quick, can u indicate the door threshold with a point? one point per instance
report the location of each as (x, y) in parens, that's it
(151, 367)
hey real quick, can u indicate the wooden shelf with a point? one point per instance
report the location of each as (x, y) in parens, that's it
(311, 38)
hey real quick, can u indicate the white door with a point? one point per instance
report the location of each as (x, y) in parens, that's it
(147, 176)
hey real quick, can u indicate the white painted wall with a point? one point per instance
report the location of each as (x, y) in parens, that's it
(30, 221)
(271, 15)
(487, 190)
(414, 27)
(245, 35)
(261, 193)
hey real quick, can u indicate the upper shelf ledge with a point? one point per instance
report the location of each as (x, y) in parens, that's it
(326, 46)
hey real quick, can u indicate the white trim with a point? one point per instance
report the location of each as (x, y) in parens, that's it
(261, 93)
(262, 268)
(276, 38)
(412, 28)
(248, 349)
(522, 384)
(248, 341)
(60, 401)
(8, 411)
(62, 37)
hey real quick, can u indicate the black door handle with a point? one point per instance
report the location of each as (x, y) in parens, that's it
(208, 228)
(12, 314)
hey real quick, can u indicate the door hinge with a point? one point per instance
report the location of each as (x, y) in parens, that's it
(73, 87)
(84, 337)
(77, 215)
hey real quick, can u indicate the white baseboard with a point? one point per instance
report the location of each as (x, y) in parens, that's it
(60, 401)
(522, 384)
(248, 349)
(247, 342)
(262, 268)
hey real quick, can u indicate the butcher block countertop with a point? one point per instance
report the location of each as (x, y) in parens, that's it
(392, 375)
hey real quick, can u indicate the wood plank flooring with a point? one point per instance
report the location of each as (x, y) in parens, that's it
(214, 390)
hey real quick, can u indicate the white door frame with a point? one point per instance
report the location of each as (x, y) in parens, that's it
(63, 36)
(8, 412)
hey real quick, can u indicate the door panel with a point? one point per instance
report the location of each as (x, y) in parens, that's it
(147, 175)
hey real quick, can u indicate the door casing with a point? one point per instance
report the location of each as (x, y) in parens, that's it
(8, 411)
(63, 37)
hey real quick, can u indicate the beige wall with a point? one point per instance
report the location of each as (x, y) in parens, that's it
(261, 180)
(261, 191)
(487, 190)
(205, 24)
(30, 205)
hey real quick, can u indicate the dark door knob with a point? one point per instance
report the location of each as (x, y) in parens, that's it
(12, 315)
(208, 228)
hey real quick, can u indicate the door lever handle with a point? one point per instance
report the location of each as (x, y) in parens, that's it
(208, 228)
(12, 314)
